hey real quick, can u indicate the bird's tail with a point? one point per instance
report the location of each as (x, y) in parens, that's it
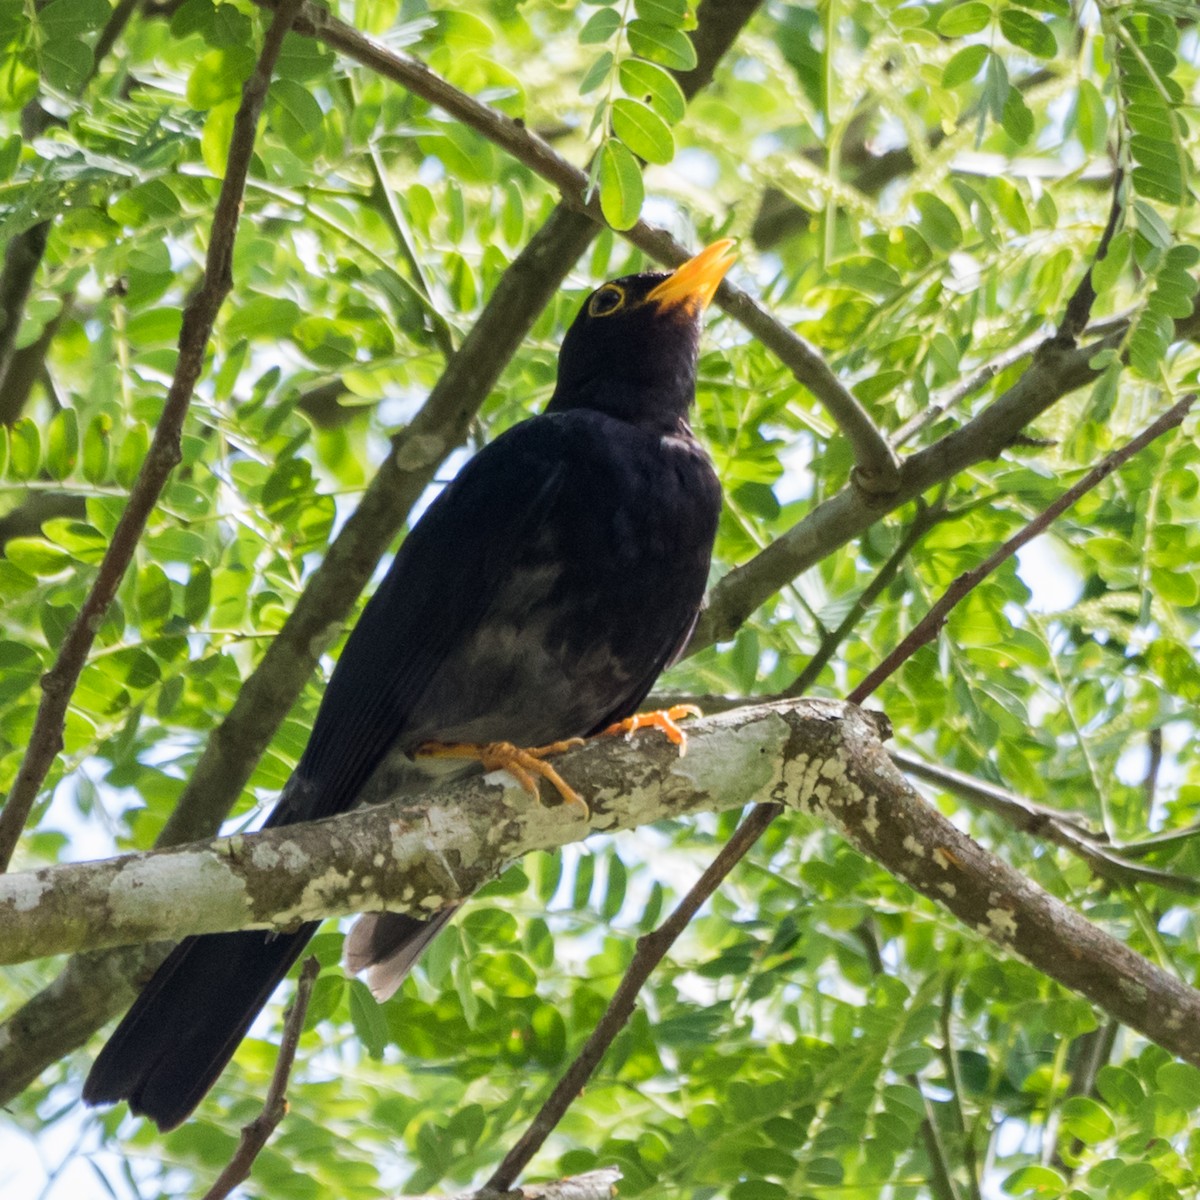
(386, 945)
(188, 1021)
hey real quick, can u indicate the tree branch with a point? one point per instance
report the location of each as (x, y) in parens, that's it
(1057, 827)
(282, 876)
(823, 757)
(21, 259)
(46, 739)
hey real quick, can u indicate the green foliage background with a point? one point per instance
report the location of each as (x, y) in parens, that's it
(917, 189)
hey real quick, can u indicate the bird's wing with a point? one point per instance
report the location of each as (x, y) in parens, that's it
(433, 597)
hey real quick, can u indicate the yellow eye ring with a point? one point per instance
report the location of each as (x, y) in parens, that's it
(606, 300)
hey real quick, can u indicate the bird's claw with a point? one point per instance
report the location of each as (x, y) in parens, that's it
(664, 718)
(525, 765)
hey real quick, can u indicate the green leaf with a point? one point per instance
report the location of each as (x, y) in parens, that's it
(965, 65)
(597, 73)
(153, 594)
(62, 444)
(25, 449)
(1017, 119)
(757, 1189)
(1034, 1181)
(962, 20)
(66, 63)
(271, 317)
(938, 225)
(621, 187)
(1027, 32)
(672, 13)
(296, 117)
(643, 131)
(197, 593)
(1086, 1120)
(218, 76)
(662, 44)
(600, 26)
(218, 132)
(648, 82)
(132, 453)
(614, 892)
(367, 1017)
(585, 871)
(1091, 118)
(37, 556)
(1181, 1082)
(70, 18)
(508, 974)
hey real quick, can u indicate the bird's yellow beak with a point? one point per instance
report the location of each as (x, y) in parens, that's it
(693, 285)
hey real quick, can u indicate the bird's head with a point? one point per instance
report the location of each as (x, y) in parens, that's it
(631, 352)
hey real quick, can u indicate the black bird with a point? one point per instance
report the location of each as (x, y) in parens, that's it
(537, 599)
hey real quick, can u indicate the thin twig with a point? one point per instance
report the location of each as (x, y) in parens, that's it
(46, 740)
(1154, 748)
(951, 397)
(650, 952)
(1079, 307)
(925, 520)
(1036, 819)
(927, 628)
(941, 1182)
(955, 1086)
(256, 1133)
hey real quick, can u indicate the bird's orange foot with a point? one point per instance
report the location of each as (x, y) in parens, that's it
(664, 718)
(524, 765)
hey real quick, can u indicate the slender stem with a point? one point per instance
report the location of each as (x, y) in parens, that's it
(925, 519)
(256, 1133)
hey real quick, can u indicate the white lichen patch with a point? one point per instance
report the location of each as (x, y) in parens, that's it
(432, 903)
(734, 764)
(318, 898)
(914, 846)
(942, 858)
(24, 891)
(1000, 925)
(144, 888)
(948, 890)
(800, 780)
(264, 857)
(379, 859)
(870, 822)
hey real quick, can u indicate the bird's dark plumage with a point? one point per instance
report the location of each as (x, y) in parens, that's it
(538, 598)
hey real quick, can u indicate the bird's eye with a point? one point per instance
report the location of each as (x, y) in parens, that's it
(609, 299)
